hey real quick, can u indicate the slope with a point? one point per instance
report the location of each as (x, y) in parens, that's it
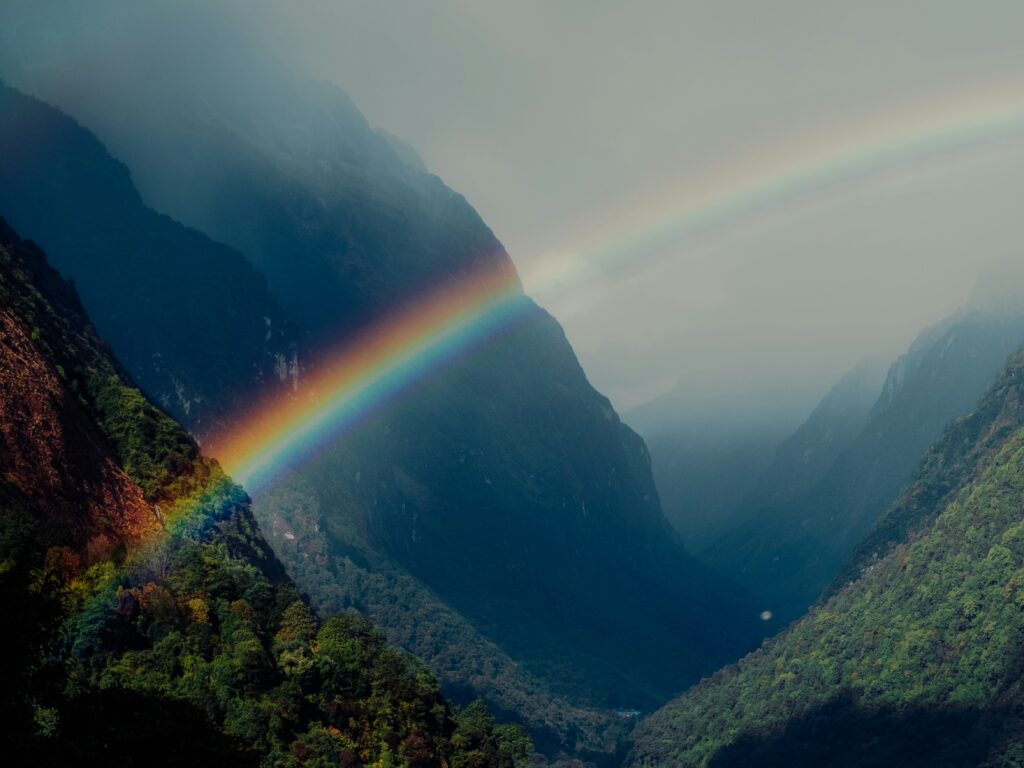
(916, 661)
(709, 452)
(803, 458)
(790, 551)
(72, 185)
(190, 318)
(146, 620)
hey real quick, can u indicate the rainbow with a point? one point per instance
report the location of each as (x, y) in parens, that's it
(361, 376)
(755, 182)
(369, 371)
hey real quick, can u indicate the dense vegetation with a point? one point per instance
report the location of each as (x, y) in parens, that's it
(165, 630)
(965, 445)
(918, 660)
(340, 576)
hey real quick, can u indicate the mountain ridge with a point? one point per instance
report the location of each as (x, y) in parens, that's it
(924, 633)
(511, 439)
(793, 550)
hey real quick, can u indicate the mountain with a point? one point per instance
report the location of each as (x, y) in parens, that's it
(789, 551)
(147, 621)
(804, 457)
(190, 318)
(707, 454)
(914, 659)
(501, 503)
(342, 219)
(61, 180)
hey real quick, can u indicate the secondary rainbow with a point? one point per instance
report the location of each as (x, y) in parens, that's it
(364, 374)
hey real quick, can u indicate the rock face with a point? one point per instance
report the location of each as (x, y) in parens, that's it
(504, 490)
(190, 318)
(791, 550)
(147, 620)
(53, 454)
(914, 658)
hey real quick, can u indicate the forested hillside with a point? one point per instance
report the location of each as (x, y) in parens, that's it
(915, 660)
(790, 550)
(148, 623)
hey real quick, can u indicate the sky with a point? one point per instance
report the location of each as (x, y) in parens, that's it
(556, 118)
(728, 200)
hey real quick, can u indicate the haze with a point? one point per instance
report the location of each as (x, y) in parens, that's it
(552, 118)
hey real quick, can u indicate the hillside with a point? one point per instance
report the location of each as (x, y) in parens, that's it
(804, 457)
(162, 349)
(789, 551)
(148, 623)
(914, 661)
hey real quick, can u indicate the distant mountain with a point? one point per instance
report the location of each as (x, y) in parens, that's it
(703, 470)
(790, 550)
(190, 318)
(146, 620)
(342, 219)
(914, 659)
(709, 452)
(720, 465)
(501, 503)
(803, 458)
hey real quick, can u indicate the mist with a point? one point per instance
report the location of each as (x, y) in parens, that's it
(554, 118)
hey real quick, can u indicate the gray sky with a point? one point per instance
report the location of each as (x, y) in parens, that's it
(553, 117)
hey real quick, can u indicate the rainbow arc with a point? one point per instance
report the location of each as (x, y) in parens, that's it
(363, 375)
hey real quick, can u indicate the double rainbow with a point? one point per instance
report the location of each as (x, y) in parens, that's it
(362, 376)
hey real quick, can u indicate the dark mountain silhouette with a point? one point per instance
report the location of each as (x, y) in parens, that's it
(147, 621)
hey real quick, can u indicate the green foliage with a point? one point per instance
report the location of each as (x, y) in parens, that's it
(482, 744)
(153, 450)
(340, 575)
(195, 636)
(788, 552)
(931, 633)
(965, 445)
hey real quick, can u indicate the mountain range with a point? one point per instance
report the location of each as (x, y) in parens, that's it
(914, 656)
(502, 504)
(487, 566)
(792, 534)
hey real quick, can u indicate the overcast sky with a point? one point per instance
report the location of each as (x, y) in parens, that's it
(554, 117)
